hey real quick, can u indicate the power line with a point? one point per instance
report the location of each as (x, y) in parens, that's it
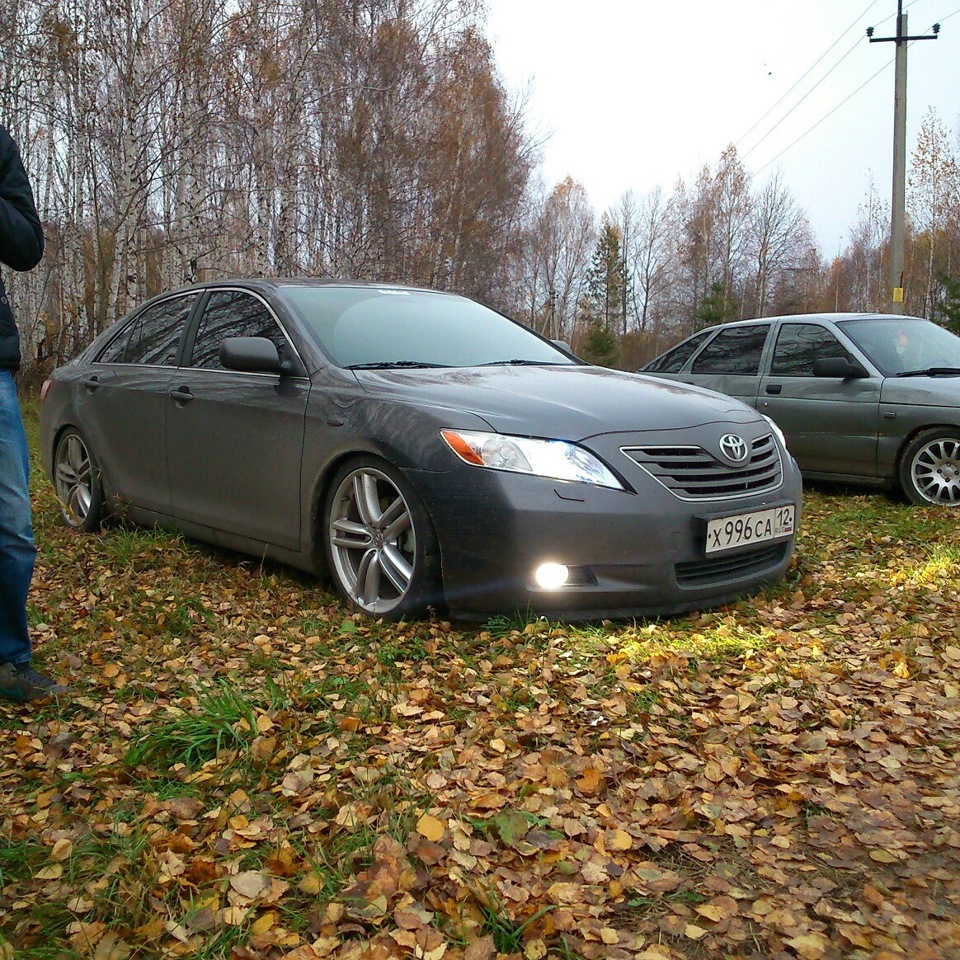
(825, 117)
(870, 6)
(817, 84)
(804, 97)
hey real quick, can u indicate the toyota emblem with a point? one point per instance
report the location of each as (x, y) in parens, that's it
(734, 448)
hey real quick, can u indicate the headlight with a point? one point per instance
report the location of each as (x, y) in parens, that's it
(777, 431)
(555, 459)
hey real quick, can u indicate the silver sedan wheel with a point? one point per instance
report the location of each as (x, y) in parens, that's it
(373, 542)
(74, 478)
(935, 471)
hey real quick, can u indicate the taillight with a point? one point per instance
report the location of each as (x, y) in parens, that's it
(45, 389)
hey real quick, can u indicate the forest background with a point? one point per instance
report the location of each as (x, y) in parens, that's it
(171, 142)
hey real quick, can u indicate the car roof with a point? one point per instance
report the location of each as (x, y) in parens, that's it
(834, 317)
(269, 284)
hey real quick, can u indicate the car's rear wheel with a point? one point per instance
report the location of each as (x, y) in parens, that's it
(930, 468)
(76, 478)
(381, 548)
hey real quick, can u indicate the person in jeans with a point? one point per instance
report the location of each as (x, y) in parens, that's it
(21, 247)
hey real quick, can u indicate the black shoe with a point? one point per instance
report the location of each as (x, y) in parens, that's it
(21, 682)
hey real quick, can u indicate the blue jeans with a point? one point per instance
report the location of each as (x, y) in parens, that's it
(17, 551)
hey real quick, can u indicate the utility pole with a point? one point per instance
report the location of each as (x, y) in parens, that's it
(898, 205)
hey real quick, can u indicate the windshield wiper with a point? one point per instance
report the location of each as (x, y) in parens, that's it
(932, 372)
(394, 365)
(520, 363)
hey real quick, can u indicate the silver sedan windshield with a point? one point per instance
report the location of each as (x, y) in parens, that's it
(903, 346)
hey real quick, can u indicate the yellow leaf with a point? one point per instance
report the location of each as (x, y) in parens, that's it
(619, 840)
(810, 946)
(111, 670)
(694, 932)
(609, 936)
(711, 912)
(431, 828)
(882, 856)
(234, 916)
(62, 849)
(311, 884)
(535, 950)
(714, 772)
(53, 872)
(264, 923)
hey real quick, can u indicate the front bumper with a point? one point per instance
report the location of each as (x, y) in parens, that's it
(636, 553)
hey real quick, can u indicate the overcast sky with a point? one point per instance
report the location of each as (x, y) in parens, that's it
(632, 94)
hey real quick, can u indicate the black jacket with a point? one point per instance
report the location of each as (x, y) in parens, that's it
(21, 239)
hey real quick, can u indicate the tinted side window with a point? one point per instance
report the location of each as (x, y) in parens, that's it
(673, 361)
(799, 345)
(153, 336)
(737, 350)
(232, 313)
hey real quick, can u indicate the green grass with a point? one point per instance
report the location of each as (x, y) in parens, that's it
(222, 719)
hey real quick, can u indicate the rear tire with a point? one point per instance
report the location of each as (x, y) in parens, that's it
(381, 549)
(76, 478)
(930, 468)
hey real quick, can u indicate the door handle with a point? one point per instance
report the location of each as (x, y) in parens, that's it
(774, 388)
(180, 394)
(91, 383)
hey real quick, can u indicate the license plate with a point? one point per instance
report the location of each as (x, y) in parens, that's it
(743, 529)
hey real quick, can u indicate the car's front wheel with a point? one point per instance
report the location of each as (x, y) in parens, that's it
(381, 548)
(930, 468)
(76, 479)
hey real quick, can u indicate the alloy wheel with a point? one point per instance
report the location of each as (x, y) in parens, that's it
(73, 473)
(935, 471)
(373, 541)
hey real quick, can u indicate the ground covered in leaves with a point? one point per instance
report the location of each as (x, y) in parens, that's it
(246, 771)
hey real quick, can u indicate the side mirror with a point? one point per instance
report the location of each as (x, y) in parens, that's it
(562, 344)
(250, 354)
(839, 367)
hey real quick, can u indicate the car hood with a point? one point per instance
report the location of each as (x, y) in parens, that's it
(563, 402)
(930, 391)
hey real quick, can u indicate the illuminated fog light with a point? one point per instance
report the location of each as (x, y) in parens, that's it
(550, 576)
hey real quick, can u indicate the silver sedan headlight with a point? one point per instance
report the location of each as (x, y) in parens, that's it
(777, 431)
(555, 459)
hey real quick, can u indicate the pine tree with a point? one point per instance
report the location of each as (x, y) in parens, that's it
(607, 278)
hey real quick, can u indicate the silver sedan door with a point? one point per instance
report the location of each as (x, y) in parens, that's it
(730, 362)
(830, 423)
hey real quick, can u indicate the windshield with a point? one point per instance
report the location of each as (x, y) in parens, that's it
(386, 327)
(899, 345)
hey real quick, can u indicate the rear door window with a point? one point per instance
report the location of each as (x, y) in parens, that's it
(152, 338)
(737, 351)
(673, 361)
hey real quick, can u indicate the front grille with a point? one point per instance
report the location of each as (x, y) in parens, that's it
(698, 573)
(692, 473)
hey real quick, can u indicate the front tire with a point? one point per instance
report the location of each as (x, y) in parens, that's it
(381, 549)
(930, 468)
(76, 478)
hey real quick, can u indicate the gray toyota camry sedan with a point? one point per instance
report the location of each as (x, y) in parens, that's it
(421, 450)
(869, 398)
